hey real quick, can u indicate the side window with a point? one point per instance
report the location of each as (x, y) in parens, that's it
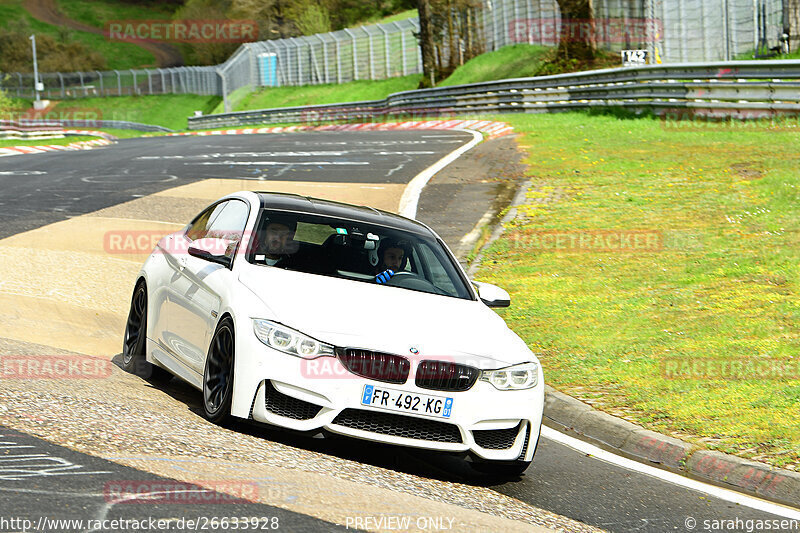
(229, 224)
(199, 228)
(437, 272)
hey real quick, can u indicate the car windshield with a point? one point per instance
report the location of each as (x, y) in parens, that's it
(356, 251)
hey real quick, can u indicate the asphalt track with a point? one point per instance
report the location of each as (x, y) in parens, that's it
(62, 490)
(42, 189)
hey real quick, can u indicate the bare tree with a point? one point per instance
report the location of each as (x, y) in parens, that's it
(577, 30)
(426, 44)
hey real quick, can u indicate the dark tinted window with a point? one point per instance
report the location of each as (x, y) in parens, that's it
(355, 250)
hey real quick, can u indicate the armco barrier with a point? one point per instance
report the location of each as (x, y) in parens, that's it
(741, 89)
(30, 125)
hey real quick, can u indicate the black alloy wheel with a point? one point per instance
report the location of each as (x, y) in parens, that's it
(218, 374)
(135, 340)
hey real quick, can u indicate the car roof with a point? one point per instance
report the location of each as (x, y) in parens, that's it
(359, 213)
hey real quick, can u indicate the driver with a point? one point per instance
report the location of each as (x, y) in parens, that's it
(392, 258)
(279, 241)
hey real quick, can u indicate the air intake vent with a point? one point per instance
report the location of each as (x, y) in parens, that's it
(496, 439)
(283, 405)
(398, 425)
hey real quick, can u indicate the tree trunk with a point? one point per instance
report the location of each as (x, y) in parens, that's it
(792, 23)
(577, 30)
(426, 44)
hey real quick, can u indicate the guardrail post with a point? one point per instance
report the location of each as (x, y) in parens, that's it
(338, 59)
(83, 87)
(371, 59)
(355, 53)
(324, 57)
(226, 103)
(135, 84)
(63, 89)
(529, 20)
(149, 81)
(298, 44)
(415, 25)
(119, 83)
(100, 79)
(386, 60)
(402, 46)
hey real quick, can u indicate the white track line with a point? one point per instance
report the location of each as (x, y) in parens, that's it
(410, 199)
(670, 477)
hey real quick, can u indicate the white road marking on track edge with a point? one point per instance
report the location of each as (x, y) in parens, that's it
(410, 199)
(670, 477)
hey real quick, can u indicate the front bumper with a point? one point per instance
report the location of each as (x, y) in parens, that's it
(279, 389)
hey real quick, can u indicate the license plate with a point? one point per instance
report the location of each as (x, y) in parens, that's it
(407, 402)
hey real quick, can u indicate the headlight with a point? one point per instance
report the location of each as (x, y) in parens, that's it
(519, 377)
(289, 341)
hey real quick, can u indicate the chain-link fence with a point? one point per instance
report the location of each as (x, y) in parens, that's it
(66, 85)
(672, 30)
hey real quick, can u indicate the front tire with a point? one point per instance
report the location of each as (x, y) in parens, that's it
(218, 374)
(135, 340)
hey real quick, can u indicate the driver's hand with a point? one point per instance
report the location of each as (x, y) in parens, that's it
(384, 276)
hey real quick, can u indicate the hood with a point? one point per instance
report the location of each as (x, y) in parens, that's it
(363, 315)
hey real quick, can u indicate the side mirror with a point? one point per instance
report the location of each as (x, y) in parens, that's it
(213, 250)
(492, 295)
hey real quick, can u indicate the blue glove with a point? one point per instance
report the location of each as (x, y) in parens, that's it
(384, 276)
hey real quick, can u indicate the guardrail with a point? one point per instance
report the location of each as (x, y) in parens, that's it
(739, 89)
(47, 124)
(115, 124)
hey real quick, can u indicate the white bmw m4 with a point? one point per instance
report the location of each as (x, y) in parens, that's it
(323, 317)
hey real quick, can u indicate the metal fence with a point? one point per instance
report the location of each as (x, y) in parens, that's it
(62, 86)
(679, 30)
(673, 31)
(741, 89)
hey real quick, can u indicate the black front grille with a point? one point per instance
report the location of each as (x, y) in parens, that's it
(398, 425)
(283, 405)
(496, 439)
(445, 376)
(375, 365)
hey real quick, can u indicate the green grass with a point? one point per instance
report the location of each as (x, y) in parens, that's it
(749, 55)
(39, 142)
(118, 55)
(516, 61)
(403, 15)
(170, 110)
(326, 94)
(724, 286)
(98, 12)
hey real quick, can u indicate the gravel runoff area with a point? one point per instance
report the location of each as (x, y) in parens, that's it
(122, 418)
(159, 429)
